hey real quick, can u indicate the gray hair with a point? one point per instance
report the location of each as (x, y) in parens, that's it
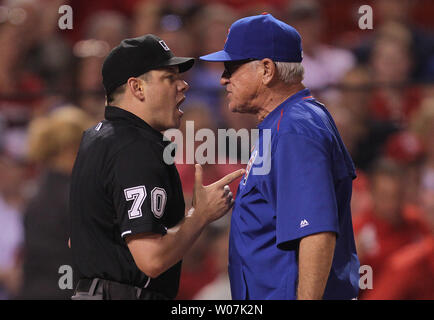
(290, 72)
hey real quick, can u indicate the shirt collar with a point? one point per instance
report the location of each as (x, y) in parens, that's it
(266, 123)
(118, 114)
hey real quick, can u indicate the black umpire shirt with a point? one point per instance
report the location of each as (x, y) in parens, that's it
(122, 186)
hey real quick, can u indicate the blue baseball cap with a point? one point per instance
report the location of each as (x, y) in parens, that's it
(259, 37)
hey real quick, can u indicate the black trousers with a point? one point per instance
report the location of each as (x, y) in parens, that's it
(101, 289)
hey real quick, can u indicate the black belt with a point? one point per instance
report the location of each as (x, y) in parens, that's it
(112, 290)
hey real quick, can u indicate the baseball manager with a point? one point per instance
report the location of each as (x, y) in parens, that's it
(291, 231)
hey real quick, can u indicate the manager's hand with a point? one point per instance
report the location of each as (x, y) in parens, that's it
(215, 200)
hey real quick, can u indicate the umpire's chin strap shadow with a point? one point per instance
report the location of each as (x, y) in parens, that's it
(93, 286)
(138, 293)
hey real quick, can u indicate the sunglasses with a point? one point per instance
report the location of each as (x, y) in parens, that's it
(232, 66)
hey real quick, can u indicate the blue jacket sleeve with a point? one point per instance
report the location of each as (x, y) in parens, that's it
(305, 192)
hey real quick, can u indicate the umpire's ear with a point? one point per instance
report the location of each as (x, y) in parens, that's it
(135, 85)
(269, 70)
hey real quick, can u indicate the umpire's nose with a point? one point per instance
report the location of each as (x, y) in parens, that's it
(183, 86)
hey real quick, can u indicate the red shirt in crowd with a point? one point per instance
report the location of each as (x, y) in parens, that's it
(194, 279)
(382, 108)
(377, 239)
(409, 274)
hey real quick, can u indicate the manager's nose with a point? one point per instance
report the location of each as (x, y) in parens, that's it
(224, 80)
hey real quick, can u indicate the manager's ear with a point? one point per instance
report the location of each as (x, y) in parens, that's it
(136, 88)
(269, 70)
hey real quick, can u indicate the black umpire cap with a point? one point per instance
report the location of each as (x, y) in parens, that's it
(133, 57)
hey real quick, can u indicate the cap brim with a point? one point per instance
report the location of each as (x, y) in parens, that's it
(222, 56)
(183, 63)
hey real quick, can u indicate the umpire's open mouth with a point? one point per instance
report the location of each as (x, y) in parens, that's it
(179, 104)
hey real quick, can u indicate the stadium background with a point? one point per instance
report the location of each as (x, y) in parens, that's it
(378, 84)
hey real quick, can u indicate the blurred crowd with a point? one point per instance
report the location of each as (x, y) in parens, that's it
(378, 84)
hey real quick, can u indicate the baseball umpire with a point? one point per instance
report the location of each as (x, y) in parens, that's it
(128, 227)
(291, 230)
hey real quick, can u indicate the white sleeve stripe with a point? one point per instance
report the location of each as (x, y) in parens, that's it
(124, 233)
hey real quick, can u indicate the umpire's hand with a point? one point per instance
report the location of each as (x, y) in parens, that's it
(214, 200)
